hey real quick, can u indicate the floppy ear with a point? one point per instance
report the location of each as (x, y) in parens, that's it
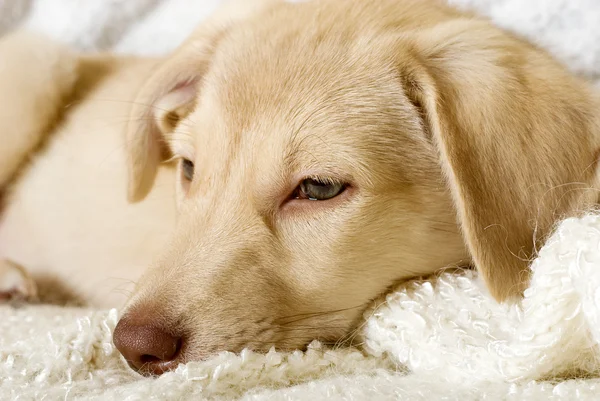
(515, 139)
(169, 94)
(166, 98)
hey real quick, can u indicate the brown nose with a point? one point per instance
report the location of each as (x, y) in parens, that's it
(147, 348)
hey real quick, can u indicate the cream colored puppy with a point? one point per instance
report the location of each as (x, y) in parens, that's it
(64, 215)
(325, 150)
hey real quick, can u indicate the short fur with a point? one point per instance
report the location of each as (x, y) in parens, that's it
(460, 143)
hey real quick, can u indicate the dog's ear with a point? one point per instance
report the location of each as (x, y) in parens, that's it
(169, 94)
(514, 135)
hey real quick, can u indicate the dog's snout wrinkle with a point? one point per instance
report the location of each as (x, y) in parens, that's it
(147, 348)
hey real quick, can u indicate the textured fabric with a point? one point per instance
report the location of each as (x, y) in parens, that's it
(440, 337)
(443, 337)
(568, 28)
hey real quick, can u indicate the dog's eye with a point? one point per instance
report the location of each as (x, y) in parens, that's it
(318, 189)
(187, 168)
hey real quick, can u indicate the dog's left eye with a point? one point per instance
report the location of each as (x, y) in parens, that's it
(317, 189)
(187, 168)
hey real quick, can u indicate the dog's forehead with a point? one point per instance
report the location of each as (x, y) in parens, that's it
(284, 75)
(323, 99)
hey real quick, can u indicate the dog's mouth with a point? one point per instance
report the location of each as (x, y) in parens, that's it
(152, 366)
(152, 350)
(155, 352)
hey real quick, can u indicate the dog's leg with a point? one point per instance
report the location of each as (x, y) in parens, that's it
(37, 75)
(15, 283)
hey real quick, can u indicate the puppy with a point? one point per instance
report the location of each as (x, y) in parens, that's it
(325, 150)
(64, 215)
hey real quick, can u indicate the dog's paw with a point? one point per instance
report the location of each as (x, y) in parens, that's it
(16, 285)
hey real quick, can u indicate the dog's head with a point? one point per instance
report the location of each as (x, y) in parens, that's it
(328, 150)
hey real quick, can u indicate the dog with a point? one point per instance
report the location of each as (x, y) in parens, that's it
(320, 153)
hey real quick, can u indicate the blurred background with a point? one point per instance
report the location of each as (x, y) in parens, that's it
(570, 29)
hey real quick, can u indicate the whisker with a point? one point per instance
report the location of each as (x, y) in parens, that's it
(307, 328)
(305, 316)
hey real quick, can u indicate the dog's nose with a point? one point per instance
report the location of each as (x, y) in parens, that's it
(149, 349)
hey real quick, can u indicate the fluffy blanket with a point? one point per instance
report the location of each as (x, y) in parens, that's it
(437, 338)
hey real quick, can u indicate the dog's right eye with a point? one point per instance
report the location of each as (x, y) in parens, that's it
(187, 168)
(319, 189)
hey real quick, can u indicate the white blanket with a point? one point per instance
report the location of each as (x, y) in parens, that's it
(430, 339)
